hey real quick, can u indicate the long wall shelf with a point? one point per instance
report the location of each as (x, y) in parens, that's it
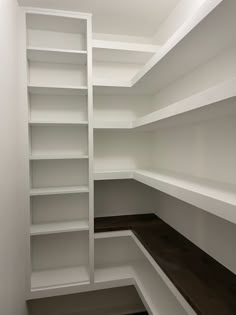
(195, 107)
(216, 198)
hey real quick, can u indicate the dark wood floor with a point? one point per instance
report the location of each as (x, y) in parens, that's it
(208, 286)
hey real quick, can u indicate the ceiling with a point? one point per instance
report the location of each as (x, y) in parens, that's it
(124, 17)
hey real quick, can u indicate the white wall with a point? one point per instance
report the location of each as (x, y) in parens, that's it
(12, 215)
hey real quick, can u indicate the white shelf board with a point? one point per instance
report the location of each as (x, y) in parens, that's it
(151, 77)
(59, 227)
(216, 198)
(156, 74)
(114, 273)
(107, 175)
(57, 55)
(58, 89)
(199, 102)
(60, 156)
(126, 46)
(52, 278)
(100, 83)
(58, 190)
(57, 122)
(112, 234)
(121, 56)
(197, 107)
(112, 125)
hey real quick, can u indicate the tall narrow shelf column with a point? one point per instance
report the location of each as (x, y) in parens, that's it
(59, 62)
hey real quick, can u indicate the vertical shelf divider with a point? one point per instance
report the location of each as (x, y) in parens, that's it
(90, 147)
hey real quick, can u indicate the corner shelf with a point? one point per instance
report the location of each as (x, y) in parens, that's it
(125, 46)
(108, 175)
(59, 227)
(112, 125)
(46, 279)
(122, 273)
(58, 190)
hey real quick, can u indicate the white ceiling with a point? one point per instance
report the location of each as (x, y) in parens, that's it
(125, 17)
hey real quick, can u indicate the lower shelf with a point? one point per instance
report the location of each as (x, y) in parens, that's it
(214, 197)
(52, 278)
(113, 273)
(147, 282)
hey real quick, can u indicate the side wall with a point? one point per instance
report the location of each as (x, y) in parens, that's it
(12, 207)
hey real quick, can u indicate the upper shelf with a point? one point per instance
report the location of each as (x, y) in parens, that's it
(119, 60)
(51, 55)
(217, 198)
(201, 106)
(125, 46)
(193, 44)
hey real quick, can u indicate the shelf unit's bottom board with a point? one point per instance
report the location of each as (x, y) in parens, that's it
(147, 283)
(114, 273)
(202, 281)
(58, 277)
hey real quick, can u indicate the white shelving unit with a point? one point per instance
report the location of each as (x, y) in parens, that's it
(142, 140)
(59, 55)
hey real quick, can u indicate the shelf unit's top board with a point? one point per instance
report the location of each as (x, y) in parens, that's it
(208, 286)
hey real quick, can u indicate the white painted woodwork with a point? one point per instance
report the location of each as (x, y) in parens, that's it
(138, 271)
(57, 89)
(163, 121)
(60, 139)
(57, 55)
(215, 197)
(59, 277)
(58, 190)
(59, 227)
